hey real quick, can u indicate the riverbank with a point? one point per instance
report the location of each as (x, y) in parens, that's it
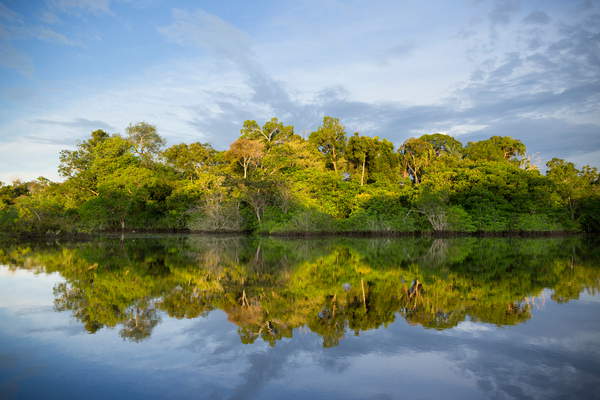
(323, 234)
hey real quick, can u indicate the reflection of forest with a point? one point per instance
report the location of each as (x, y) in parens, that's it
(268, 287)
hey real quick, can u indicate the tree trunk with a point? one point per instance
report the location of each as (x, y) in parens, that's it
(334, 158)
(362, 285)
(571, 208)
(258, 215)
(362, 176)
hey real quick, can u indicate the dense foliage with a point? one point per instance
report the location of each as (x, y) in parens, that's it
(272, 180)
(269, 287)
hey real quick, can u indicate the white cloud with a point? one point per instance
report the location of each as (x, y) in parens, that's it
(206, 31)
(49, 35)
(12, 28)
(458, 130)
(472, 327)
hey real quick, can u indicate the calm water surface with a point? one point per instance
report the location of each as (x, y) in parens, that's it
(255, 318)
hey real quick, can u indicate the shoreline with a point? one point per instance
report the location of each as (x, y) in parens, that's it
(299, 234)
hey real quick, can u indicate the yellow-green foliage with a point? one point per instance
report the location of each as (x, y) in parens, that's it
(270, 287)
(272, 180)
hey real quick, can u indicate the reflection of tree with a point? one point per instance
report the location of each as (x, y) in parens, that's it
(185, 302)
(437, 253)
(270, 287)
(140, 319)
(330, 322)
(68, 298)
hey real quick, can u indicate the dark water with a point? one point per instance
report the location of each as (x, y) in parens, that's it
(243, 318)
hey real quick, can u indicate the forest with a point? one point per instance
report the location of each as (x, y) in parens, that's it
(272, 180)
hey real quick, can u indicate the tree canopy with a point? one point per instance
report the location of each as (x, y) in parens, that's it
(271, 180)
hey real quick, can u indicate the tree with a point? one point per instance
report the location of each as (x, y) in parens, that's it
(43, 209)
(76, 165)
(259, 194)
(416, 154)
(76, 162)
(132, 193)
(359, 148)
(573, 186)
(382, 161)
(9, 193)
(371, 156)
(146, 141)
(95, 158)
(496, 148)
(246, 153)
(330, 140)
(435, 208)
(272, 132)
(290, 157)
(443, 144)
(190, 160)
(567, 180)
(292, 184)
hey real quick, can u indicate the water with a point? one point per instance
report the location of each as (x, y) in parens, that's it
(256, 318)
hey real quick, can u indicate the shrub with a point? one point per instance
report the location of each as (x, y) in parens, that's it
(459, 220)
(537, 223)
(307, 220)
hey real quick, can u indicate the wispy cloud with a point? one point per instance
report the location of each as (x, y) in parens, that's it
(209, 32)
(13, 28)
(77, 123)
(49, 35)
(531, 87)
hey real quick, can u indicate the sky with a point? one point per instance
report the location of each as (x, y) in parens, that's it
(393, 69)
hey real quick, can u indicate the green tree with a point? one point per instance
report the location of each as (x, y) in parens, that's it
(76, 165)
(330, 140)
(247, 153)
(76, 162)
(292, 184)
(443, 144)
(145, 140)
(271, 133)
(496, 148)
(416, 155)
(578, 190)
(191, 160)
(359, 148)
(44, 210)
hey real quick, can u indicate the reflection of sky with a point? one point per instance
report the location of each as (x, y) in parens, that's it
(555, 354)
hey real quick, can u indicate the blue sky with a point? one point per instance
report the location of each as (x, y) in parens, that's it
(395, 69)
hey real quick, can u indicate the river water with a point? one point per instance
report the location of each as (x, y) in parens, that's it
(228, 317)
